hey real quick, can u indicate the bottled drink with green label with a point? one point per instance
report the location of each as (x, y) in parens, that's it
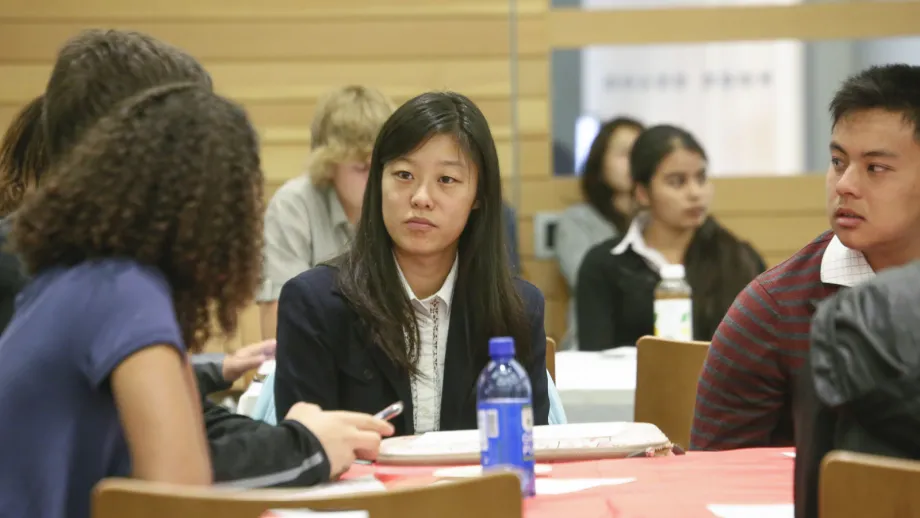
(673, 305)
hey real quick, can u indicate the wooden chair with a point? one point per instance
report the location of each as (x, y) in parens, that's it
(551, 358)
(667, 374)
(857, 485)
(495, 496)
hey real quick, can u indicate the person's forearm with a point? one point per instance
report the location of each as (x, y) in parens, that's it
(249, 453)
(160, 411)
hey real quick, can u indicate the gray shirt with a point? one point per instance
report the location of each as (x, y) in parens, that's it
(304, 226)
(580, 227)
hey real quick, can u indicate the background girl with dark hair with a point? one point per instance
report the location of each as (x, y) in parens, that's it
(407, 312)
(617, 279)
(607, 208)
(143, 239)
(22, 155)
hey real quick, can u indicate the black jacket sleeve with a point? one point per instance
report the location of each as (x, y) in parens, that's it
(306, 366)
(595, 301)
(248, 453)
(209, 373)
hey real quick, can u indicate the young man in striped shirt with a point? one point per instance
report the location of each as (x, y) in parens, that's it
(744, 398)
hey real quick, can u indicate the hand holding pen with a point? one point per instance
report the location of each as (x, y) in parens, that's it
(344, 436)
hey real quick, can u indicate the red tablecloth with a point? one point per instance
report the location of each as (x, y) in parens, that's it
(665, 487)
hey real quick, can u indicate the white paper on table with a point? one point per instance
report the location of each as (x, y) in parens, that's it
(752, 511)
(789, 454)
(247, 402)
(353, 486)
(620, 352)
(560, 486)
(576, 431)
(571, 431)
(307, 513)
(447, 438)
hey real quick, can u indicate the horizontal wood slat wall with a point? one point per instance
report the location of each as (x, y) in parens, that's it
(278, 56)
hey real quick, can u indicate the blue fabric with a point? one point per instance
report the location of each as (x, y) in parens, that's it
(264, 409)
(60, 432)
(556, 411)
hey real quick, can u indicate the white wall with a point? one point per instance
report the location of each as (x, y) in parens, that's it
(743, 100)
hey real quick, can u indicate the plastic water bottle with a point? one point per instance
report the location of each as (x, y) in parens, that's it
(505, 415)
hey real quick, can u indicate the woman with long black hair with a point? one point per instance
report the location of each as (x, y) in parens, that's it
(406, 314)
(616, 281)
(608, 206)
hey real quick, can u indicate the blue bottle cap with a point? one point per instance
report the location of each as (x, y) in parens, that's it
(501, 346)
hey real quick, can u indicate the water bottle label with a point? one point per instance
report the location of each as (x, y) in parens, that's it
(506, 440)
(673, 319)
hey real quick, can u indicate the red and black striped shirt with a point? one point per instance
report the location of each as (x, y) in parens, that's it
(743, 398)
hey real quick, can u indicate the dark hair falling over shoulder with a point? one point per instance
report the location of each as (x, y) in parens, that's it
(22, 156)
(594, 187)
(170, 179)
(484, 290)
(718, 264)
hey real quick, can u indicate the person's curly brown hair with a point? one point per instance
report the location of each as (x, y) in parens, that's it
(171, 179)
(97, 69)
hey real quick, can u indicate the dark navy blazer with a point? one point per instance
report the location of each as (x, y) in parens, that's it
(326, 357)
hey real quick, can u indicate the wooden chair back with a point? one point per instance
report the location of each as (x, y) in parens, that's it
(551, 358)
(667, 373)
(494, 496)
(857, 485)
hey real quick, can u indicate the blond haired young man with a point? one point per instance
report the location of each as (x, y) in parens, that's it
(311, 218)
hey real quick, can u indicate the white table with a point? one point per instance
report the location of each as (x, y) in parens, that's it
(594, 386)
(597, 386)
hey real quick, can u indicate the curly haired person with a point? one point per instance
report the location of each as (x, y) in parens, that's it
(142, 236)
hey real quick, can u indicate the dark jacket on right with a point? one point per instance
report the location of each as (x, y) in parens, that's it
(859, 389)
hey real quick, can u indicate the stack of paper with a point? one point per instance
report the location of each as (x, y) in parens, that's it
(752, 511)
(354, 486)
(307, 513)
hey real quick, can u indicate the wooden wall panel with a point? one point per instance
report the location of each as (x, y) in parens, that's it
(285, 81)
(283, 159)
(357, 38)
(846, 20)
(95, 10)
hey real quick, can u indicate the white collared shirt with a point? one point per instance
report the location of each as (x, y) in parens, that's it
(633, 239)
(432, 317)
(844, 266)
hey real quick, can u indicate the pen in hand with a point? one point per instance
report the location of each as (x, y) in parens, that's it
(386, 414)
(390, 412)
